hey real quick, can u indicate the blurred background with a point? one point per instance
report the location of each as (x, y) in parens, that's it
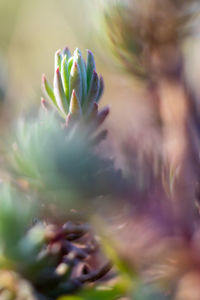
(31, 32)
(157, 116)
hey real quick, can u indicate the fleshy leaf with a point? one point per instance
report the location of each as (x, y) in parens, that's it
(94, 88)
(79, 59)
(74, 107)
(90, 67)
(101, 89)
(48, 90)
(64, 76)
(57, 59)
(59, 93)
(75, 80)
(66, 52)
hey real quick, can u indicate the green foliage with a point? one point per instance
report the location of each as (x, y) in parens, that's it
(97, 294)
(76, 84)
(16, 213)
(59, 172)
(62, 161)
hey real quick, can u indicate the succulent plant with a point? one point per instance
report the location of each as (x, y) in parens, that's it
(42, 260)
(77, 88)
(62, 161)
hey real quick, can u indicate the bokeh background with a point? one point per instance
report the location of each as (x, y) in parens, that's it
(31, 32)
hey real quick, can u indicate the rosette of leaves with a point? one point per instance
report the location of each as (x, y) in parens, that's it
(40, 260)
(77, 88)
(60, 158)
(18, 247)
(62, 162)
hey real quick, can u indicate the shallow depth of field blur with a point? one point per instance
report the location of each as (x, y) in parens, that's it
(148, 56)
(31, 32)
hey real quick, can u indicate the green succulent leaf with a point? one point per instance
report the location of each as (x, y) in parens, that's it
(48, 91)
(66, 53)
(101, 89)
(65, 76)
(79, 59)
(75, 107)
(60, 94)
(72, 74)
(94, 88)
(75, 80)
(91, 66)
(57, 59)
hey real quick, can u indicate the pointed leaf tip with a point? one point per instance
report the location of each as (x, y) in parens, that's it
(77, 51)
(44, 104)
(103, 114)
(42, 100)
(95, 105)
(101, 88)
(58, 55)
(75, 81)
(57, 59)
(74, 68)
(48, 92)
(89, 52)
(43, 78)
(94, 110)
(61, 99)
(66, 52)
(91, 66)
(81, 65)
(101, 79)
(74, 104)
(66, 49)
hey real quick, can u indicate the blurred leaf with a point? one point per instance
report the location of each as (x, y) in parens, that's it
(106, 293)
(62, 162)
(127, 273)
(148, 292)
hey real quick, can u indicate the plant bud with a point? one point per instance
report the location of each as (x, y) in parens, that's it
(76, 85)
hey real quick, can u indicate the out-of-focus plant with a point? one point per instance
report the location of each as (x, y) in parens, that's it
(148, 37)
(15, 218)
(59, 161)
(145, 34)
(52, 244)
(66, 164)
(37, 255)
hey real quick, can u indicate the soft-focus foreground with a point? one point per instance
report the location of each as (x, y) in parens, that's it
(96, 207)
